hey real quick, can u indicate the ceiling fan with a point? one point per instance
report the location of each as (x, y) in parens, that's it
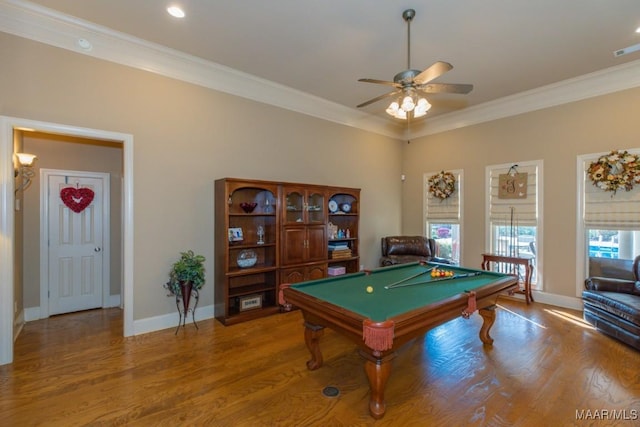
(410, 84)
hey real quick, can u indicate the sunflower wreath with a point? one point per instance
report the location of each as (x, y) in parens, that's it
(442, 185)
(618, 170)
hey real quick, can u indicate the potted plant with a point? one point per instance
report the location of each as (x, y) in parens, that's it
(186, 274)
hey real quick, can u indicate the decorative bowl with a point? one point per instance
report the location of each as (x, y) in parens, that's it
(247, 258)
(248, 207)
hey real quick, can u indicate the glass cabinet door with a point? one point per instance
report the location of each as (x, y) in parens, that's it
(294, 206)
(315, 207)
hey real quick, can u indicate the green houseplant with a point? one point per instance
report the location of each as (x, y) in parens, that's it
(186, 274)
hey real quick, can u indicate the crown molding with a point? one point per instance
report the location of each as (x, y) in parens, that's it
(609, 80)
(44, 25)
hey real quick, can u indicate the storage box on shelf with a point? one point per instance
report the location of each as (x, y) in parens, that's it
(268, 233)
(336, 271)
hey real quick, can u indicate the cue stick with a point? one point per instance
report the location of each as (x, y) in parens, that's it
(394, 284)
(457, 276)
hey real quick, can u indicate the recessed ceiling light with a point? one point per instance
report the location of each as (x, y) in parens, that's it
(176, 12)
(638, 30)
(84, 44)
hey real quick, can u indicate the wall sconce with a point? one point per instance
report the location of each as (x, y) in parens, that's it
(25, 169)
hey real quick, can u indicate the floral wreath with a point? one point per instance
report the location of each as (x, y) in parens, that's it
(442, 185)
(617, 170)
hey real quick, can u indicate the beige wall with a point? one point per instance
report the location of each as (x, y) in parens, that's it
(65, 153)
(556, 136)
(185, 137)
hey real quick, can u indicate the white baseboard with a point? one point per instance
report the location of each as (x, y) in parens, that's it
(141, 326)
(34, 313)
(170, 320)
(114, 301)
(573, 303)
(31, 314)
(550, 299)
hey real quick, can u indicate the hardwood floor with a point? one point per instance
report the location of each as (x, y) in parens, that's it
(546, 367)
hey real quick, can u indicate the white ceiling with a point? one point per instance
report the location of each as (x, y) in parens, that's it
(502, 47)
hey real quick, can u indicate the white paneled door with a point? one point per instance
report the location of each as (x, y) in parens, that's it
(76, 227)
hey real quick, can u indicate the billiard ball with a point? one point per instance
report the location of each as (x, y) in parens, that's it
(369, 289)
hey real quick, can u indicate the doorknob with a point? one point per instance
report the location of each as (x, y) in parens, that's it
(97, 249)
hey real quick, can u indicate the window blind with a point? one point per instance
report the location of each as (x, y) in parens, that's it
(445, 211)
(609, 211)
(521, 211)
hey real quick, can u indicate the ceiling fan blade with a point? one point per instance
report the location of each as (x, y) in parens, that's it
(380, 82)
(434, 71)
(445, 88)
(378, 98)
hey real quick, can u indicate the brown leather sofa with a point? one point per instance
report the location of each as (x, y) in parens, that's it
(404, 249)
(612, 306)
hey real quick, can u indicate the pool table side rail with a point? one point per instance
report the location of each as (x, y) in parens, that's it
(413, 323)
(322, 313)
(407, 325)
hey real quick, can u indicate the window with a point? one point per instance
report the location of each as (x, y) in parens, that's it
(443, 219)
(608, 223)
(513, 214)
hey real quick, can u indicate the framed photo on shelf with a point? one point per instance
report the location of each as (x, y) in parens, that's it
(235, 234)
(250, 302)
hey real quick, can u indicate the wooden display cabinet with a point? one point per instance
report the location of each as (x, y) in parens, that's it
(304, 231)
(303, 273)
(241, 232)
(289, 235)
(343, 222)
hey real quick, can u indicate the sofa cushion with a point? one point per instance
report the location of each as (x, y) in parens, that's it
(407, 245)
(625, 306)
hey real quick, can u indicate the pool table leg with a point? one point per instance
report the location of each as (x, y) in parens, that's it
(312, 334)
(488, 319)
(378, 371)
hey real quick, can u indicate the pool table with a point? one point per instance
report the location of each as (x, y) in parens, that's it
(402, 302)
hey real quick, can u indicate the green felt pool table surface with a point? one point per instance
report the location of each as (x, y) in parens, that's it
(350, 291)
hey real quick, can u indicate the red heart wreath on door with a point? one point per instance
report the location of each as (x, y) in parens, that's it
(77, 199)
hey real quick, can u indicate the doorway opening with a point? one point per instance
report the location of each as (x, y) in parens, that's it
(12, 132)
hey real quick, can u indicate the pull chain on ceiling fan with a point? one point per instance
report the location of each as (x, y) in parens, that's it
(411, 84)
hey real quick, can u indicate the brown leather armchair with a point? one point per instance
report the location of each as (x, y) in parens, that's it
(612, 306)
(404, 249)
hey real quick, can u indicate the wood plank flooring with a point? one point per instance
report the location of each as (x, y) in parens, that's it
(546, 367)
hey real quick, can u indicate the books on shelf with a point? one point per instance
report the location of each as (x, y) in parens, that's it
(338, 245)
(340, 252)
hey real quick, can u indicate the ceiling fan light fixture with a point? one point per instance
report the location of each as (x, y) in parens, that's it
(410, 83)
(421, 108)
(408, 104)
(401, 111)
(394, 110)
